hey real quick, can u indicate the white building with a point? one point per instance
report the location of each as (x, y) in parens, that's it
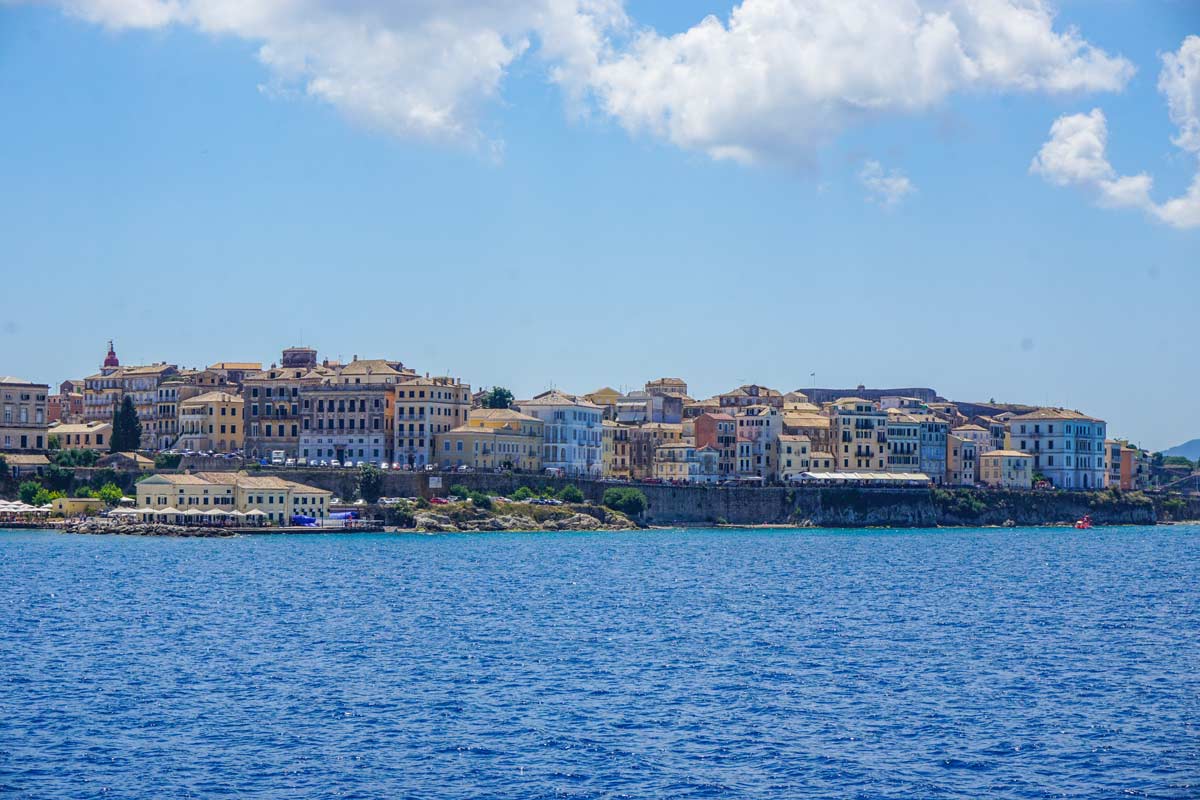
(1067, 446)
(573, 431)
(759, 426)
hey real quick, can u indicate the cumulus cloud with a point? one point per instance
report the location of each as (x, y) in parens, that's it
(781, 77)
(421, 68)
(1076, 154)
(773, 82)
(884, 187)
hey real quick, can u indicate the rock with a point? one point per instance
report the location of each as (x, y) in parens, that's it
(434, 523)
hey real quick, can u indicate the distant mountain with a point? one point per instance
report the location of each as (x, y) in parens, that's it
(1189, 450)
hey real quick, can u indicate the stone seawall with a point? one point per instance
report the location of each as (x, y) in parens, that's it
(744, 505)
(816, 506)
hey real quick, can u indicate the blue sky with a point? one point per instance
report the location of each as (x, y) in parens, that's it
(168, 186)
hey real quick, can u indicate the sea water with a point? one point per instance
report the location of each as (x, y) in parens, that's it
(1027, 663)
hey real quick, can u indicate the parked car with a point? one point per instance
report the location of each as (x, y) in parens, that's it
(334, 463)
(291, 462)
(385, 466)
(438, 501)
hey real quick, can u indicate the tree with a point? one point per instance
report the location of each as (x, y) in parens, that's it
(628, 501)
(45, 496)
(28, 491)
(53, 443)
(86, 491)
(370, 482)
(498, 397)
(110, 493)
(570, 494)
(127, 428)
(523, 493)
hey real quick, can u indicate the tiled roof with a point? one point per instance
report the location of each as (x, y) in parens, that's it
(1054, 413)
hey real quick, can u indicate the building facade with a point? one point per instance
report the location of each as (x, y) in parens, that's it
(859, 435)
(1067, 446)
(718, 431)
(573, 432)
(426, 407)
(1006, 469)
(82, 435)
(23, 421)
(273, 416)
(212, 422)
(279, 499)
(492, 438)
(903, 441)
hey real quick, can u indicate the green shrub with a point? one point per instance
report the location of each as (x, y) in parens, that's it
(86, 491)
(523, 493)
(459, 490)
(627, 500)
(570, 494)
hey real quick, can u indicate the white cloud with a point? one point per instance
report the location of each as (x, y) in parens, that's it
(421, 68)
(776, 80)
(1076, 154)
(886, 188)
(784, 76)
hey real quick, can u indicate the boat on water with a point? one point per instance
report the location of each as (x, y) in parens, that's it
(1085, 523)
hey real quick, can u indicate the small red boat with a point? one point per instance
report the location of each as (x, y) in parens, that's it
(1085, 523)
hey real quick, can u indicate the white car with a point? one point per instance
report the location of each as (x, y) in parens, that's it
(334, 463)
(291, 462)
(385, 466)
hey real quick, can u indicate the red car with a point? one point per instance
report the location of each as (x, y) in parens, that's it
(438, 501)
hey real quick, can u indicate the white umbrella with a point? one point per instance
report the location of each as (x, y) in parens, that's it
(236, 513)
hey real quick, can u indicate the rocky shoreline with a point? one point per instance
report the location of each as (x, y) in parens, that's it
(433, 522)
(99, 526)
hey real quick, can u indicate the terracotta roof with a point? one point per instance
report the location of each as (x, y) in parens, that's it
(556, 398)
(971, 427)
(500, 413)
(212, 397)
(236, 365)
(1054, 413)
(25, 459)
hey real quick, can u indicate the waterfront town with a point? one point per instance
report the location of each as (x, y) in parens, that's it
(242, 428)
(305, 411)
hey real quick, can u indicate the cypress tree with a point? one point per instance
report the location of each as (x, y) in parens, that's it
(127, 429)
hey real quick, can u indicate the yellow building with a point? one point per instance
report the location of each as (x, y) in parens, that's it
(859, 434)
(607, 398)
(962, 456)
(211, 422)
(424, 408)
(1006, 469)
(82, 435)
(608, 444)
(795, 456)
(233, 491)
(493, 438)
(76, 506)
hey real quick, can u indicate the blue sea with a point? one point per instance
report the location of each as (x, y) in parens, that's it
(1020, 663)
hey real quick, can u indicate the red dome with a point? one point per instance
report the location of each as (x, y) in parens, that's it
(111, 359)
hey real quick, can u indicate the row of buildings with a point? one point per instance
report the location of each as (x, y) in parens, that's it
(379, 411)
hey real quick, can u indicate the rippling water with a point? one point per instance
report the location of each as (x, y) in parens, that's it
(738, 664)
